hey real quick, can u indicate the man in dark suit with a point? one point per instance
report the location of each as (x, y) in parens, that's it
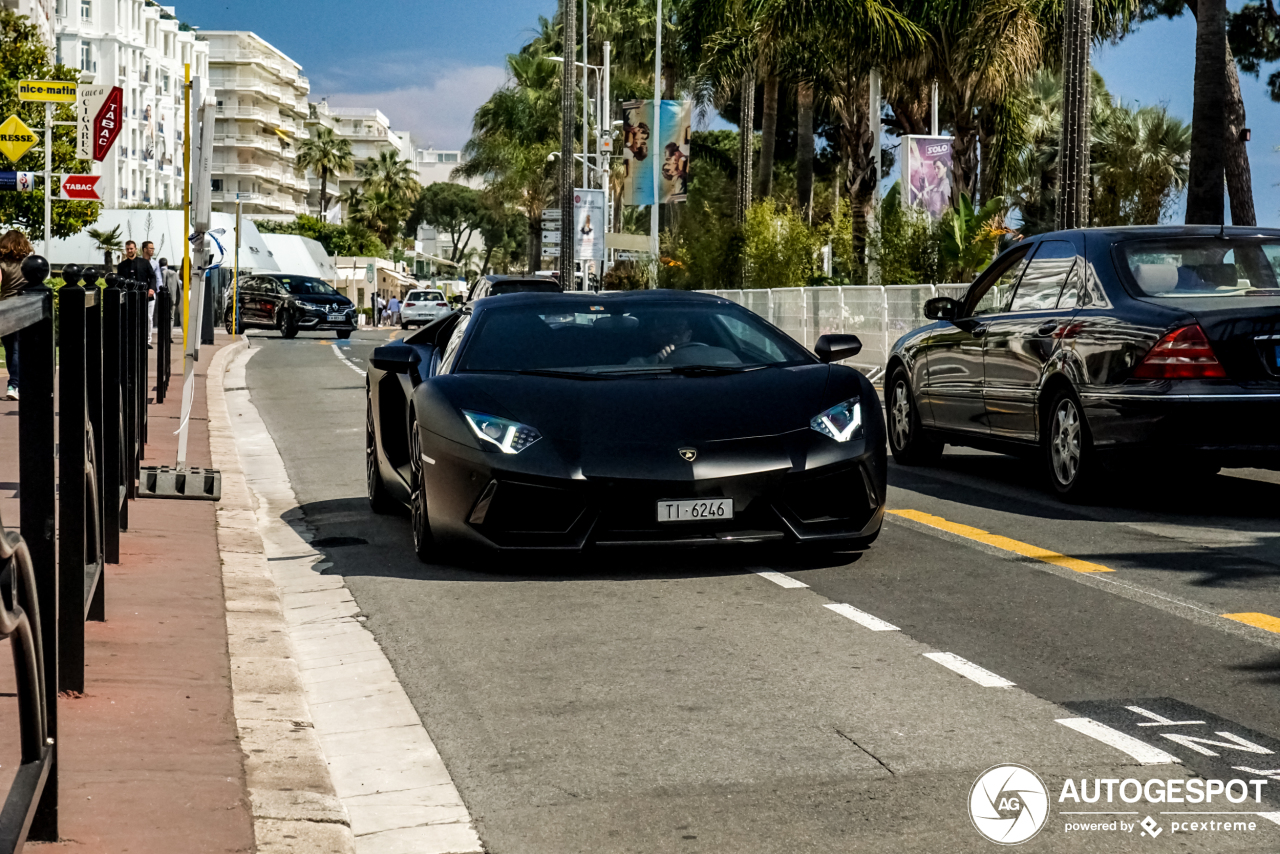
(133, 267)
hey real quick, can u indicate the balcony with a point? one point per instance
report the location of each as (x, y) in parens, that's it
(262, 143)
(270, 117)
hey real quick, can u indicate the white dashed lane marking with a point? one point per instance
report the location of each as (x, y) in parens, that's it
(1125, 743)
(780, 579)
(969, 670)
(338, 351)
(862, 618)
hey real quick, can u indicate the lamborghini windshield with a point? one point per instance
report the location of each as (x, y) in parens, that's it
(623, 338)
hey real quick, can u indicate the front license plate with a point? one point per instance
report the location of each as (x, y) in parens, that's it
(336, 318)
(691, 511)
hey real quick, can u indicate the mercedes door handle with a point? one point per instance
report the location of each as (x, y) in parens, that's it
(1047, 329)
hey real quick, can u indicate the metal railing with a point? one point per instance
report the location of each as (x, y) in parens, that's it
(879, 315)
(52, 573)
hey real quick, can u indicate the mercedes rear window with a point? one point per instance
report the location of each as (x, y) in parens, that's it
(1207, 266)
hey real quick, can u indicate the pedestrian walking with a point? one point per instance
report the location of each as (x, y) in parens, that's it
(393, 311)
(14, 247)
(173, 284)
(154, 283)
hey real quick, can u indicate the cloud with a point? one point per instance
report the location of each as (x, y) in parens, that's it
(438, 113)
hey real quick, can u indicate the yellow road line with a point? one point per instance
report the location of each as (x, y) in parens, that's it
(1262, 621)
(1024, 549)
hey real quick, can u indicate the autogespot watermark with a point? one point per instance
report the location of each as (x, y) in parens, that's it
(1010, 804)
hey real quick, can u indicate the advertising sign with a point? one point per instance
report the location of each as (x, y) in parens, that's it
(100, 116)
(81, 187)
(671, 153)
(54, 91)
(927, 173)
(589, 224)
(20, 182)
(16, 138)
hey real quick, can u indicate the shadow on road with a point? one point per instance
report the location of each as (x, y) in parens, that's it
(360, 543)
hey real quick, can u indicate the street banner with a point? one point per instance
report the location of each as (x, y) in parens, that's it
(926, 172)
(54, 91)
(589, 224)
(100, 116)
(81, 187)
(639, 153)
(20, 182)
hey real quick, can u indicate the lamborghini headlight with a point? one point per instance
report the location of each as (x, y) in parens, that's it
(510, 437)
(841, 422)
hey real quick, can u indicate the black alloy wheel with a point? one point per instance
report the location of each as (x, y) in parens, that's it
(910, 445)
(1068, 447)
(423, 545)
(344, 334)
(289, 325)
(380, 500)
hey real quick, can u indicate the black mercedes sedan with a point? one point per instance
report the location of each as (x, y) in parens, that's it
(1094, 348)
(290, 304)
(573, 421)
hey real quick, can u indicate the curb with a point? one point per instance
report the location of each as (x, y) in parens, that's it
(294, 805)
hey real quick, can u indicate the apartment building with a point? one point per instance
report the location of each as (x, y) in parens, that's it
(142, 48)
(261, 111)
(434, 166)
(40, 13)
(369, 131)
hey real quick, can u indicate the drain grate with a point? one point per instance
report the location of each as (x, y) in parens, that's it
(335, 542)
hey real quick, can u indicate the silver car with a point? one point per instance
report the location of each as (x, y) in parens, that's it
(422, 307)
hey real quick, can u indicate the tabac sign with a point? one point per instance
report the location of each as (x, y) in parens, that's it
(101, 115)
(16, 138)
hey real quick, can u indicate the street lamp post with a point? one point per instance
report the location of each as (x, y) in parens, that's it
(567, 89)
(655, 145)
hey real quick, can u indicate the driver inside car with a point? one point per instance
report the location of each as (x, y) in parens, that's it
(670, 337)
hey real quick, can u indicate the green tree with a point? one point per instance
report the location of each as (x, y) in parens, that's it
(388, 173)
(326, 153)
(24, 57)
(351, 239)
(1208, 115)
(455, 209)
(106, 242)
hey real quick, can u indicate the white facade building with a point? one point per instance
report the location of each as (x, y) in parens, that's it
(261, 104)
(142, 49)
(369, 131)
(435, 166)
(41, 13)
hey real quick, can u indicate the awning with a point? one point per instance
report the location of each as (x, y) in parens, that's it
(440, 260)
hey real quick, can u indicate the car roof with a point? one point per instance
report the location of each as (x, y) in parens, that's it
(1129, 232)
(592, 297)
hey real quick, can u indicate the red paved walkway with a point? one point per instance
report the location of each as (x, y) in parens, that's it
(150, 757)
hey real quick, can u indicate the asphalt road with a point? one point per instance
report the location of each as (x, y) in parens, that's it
(688, 703)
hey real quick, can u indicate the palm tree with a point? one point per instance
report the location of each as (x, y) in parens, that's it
(326, 153)
(513, 133)
(351, 199)
(106, 242)
(387, 172)
(1208, 115)
(383, 213)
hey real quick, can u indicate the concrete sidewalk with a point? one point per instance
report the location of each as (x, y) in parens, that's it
(150, 757)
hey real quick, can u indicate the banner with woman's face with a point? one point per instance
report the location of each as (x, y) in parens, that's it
(926, 173)
(640, 152)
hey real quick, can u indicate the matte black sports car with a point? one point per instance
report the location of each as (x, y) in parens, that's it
(1102, 345)
(291, 304)
(566, 421)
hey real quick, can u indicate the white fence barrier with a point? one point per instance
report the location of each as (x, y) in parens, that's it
(879, 315)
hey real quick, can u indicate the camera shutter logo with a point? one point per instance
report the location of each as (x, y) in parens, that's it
(1009, 804)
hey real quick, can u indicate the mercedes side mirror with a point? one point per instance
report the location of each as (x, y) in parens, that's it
(395, 358)
(833, 347)
(941, 308)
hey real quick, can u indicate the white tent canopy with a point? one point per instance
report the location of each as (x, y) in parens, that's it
(164, 229)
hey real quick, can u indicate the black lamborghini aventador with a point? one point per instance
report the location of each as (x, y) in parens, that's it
(573, 421)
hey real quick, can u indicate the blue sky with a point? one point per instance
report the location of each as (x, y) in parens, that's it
(428, 65)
